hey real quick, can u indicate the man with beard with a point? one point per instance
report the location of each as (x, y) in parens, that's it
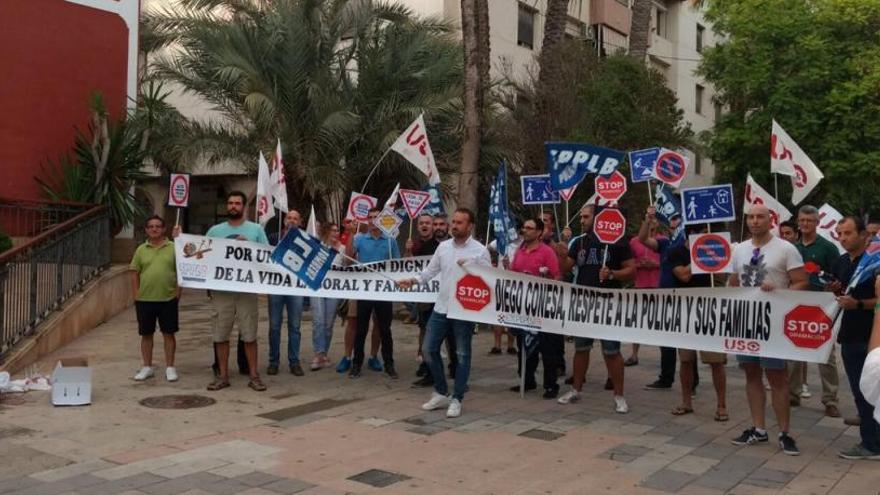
(594, 270)
(768, 262)
(231, 307)
(461, 249)
(441, 227)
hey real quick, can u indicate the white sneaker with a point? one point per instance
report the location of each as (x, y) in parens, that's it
(171, 374)
(454, 410)
(144, 373)
(571, 396)
(437, 401)
(620, 406)
(805, 392)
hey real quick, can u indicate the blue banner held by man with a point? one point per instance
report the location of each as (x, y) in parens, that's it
(869, 265)
(305, 257)
(435, 204)
(569, 163)
(498, 214)
(667, 203)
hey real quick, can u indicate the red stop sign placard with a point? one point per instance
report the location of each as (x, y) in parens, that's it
(807, 326)
(609, 225)
(472, 292)
(611, 188)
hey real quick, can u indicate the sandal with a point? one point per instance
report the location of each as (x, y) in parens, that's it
(257, 384)
(721, 416)
(218, 384)
(681, 411)
(631, 361)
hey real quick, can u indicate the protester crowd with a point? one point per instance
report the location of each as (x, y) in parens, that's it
(657, 257)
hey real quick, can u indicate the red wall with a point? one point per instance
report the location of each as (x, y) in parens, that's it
(53, 55)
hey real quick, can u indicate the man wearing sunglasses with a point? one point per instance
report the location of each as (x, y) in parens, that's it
(768, 262)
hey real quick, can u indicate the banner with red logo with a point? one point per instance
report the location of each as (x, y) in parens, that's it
(796, 325)
(787, 158)
(242, 266)
(757, 195)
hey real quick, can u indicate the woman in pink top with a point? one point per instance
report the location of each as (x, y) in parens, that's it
(647, 277)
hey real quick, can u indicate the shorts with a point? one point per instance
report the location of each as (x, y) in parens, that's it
(767, 363)
(706, 357)
(148, 312)
(229, 307)
(609, 347)
(352, 308)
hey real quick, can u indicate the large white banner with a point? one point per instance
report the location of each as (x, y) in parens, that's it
(241, 266)
(797, 325)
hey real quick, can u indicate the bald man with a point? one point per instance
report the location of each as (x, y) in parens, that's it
(769, 263)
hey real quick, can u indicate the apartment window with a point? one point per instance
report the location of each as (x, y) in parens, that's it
(662, 26)
(698, 99)
(701, 31)
(525, 34)
(698, 164)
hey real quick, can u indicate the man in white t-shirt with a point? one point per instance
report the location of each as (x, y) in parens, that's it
(768, 262)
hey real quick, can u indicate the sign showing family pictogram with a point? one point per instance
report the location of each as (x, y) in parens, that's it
(536, 190)
(708, 204)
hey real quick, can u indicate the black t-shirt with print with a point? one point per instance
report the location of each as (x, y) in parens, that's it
(587, 251)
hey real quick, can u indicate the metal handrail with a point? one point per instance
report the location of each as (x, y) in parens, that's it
(37, 276)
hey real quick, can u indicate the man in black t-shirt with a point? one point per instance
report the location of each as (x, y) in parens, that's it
(679, 257)
(594, 269)
(858, 306)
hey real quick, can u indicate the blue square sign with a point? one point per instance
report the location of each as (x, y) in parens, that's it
(536, 190)
(707, 204)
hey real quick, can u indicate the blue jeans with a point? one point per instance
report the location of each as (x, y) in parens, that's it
(463, 331)
(854, 355)
(323, 316)
(294, 305)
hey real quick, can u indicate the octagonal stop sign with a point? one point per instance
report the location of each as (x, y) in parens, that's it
(611, 188)
(609, 225)
(472, 292)
(807, 326)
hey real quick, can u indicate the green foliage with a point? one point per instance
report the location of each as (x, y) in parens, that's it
(5, 241)
(337, 81)
(106, 163)
(814, 66)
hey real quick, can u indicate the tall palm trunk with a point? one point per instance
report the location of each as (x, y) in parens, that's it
(554, 28)
(474, 13)
(639, 29)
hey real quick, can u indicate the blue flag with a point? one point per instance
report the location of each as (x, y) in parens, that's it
(868, 265)
(305, 256)
(569, 163)
(435, 204)
(667, 203)
(498, 214)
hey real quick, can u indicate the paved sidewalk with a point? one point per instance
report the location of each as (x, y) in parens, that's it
(327, 434)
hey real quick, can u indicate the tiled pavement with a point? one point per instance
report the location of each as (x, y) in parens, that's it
(326, 434)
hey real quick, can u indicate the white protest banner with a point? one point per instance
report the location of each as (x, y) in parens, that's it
(359, 206)
(242, 266)
(827, 228)
(178, 190)
(414, 201)
(265, 210)
(796, 325)
(787, 158)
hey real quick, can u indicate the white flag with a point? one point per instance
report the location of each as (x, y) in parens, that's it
(787, 158)
(265, 211)
(756, 195)
(413, 145)
(279, 186)
(392, 200)
(312, 227)
(827, 228)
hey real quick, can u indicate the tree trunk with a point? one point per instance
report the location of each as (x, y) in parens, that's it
(470, 148)
(554, 26)
(640, 29)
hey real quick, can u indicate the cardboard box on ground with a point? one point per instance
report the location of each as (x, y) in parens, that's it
(72, 382)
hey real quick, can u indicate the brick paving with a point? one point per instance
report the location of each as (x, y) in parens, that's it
(326, 434)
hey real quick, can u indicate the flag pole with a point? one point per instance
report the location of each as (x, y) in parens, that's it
(650, 194)
(177, 219)
(368, 267)
(567, 214)
(374, 168)
(711, 275)
(556, 221)
(776, 186)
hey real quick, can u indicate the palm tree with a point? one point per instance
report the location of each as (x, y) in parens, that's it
(640, 28)
(335, 80)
